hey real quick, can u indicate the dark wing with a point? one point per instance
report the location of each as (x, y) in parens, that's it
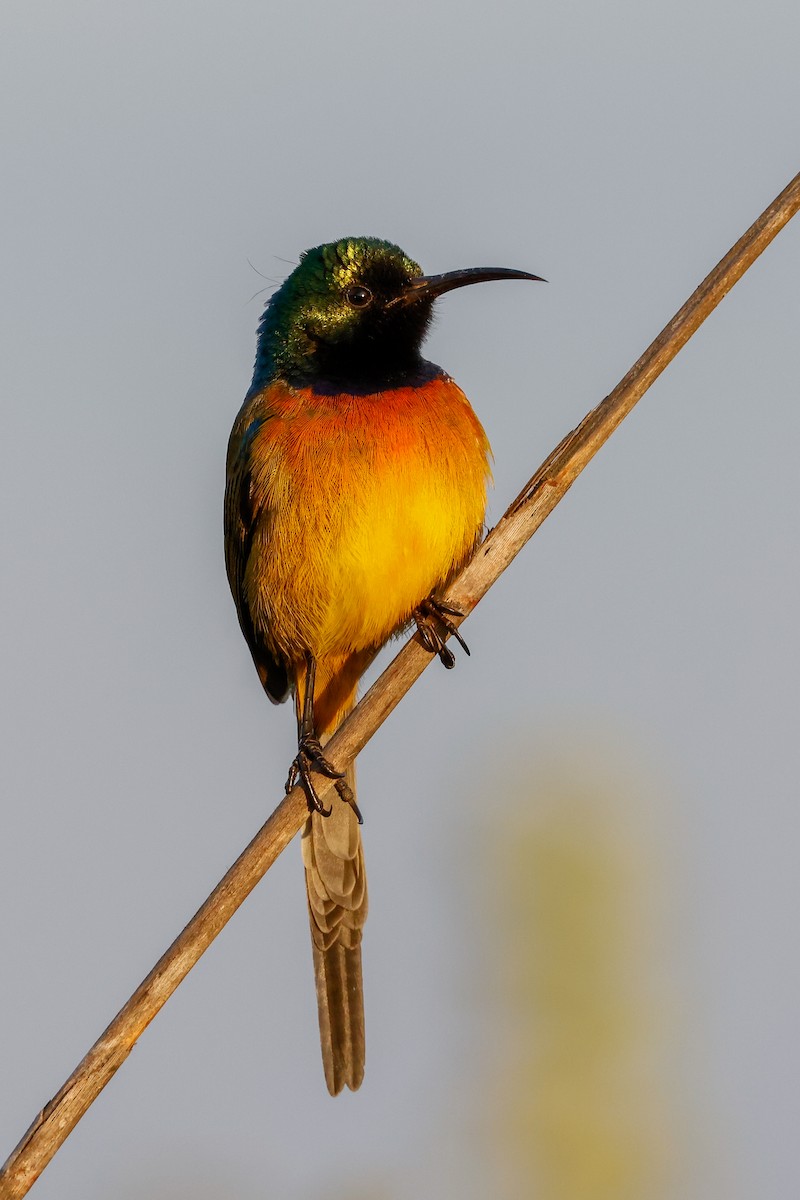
(240, 521)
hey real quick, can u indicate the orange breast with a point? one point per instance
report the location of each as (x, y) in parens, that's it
(367, 504)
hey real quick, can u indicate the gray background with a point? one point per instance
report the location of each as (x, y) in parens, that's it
(618, 149)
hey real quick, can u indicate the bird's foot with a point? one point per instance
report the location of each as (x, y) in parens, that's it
(429, 615)
(310, 757)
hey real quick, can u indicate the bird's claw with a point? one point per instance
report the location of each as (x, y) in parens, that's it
(301, 770)
(310, 757)
(426, 615)
(346, 793)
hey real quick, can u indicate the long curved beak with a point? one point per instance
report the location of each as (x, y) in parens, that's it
(428, 287)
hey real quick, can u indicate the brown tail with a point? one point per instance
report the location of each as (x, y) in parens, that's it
(336, 885)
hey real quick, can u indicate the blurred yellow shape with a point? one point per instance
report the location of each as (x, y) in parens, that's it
(584, 1106)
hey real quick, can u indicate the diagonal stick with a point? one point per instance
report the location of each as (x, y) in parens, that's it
(536, 501)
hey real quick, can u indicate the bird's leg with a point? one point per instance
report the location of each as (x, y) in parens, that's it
(426, 615)
(310, 755)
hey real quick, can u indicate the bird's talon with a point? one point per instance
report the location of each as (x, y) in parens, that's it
(312, 799)
(460, 641)
(311, 747)
(429, 635)
(428, 638)
(346, 793)
(444, 612)
(447, 658)
(301, 770)
(440, 608)
(317, 805)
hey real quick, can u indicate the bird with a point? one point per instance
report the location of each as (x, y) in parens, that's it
(356, 483)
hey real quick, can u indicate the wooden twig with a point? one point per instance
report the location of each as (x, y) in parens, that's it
(537, 500)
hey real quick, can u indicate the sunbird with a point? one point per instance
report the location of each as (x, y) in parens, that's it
(356, 490)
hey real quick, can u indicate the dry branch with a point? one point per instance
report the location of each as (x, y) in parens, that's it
(537, 500)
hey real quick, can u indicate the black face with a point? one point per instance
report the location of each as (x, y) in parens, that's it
(363, 333)
(352, 317)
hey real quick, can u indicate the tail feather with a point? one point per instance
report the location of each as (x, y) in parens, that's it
(336, 886)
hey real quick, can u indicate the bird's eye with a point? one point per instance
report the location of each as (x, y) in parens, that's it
(358, 296)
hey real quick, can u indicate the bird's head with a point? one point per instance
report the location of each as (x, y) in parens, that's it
(354, 314)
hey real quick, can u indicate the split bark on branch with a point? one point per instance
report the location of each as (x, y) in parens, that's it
(536, 501)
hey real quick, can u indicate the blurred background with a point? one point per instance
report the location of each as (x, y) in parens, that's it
(581, 960)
